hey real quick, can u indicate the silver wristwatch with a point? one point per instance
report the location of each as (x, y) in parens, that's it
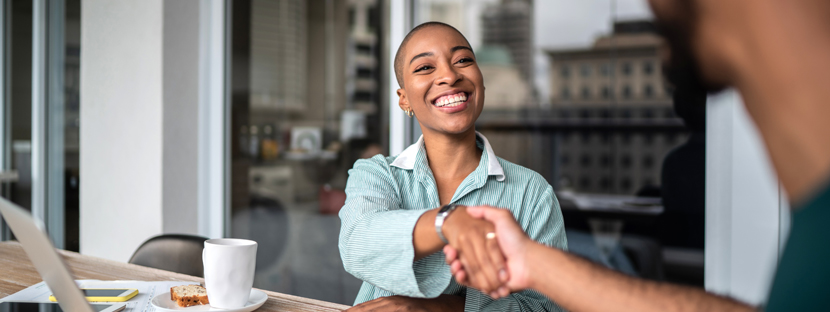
(439, 220)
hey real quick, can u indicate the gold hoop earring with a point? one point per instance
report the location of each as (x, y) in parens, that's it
(409, 112)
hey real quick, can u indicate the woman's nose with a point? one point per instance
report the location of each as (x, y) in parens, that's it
(447, 75)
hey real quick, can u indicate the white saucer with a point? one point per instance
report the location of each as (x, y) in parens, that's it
(162, 302)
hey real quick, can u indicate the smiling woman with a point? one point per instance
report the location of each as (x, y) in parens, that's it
(402, 210)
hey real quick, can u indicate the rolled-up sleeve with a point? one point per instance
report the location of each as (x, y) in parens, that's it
(545, 225)
(376, 234)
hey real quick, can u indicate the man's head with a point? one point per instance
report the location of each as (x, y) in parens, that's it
(698, 33)
(439, 79)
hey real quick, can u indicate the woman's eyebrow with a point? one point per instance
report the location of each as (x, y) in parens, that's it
(420, 55)
(456, 48)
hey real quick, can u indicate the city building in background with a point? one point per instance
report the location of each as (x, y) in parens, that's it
(615, 81)
(509, 24)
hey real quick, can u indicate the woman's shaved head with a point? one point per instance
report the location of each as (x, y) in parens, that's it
(402, 48)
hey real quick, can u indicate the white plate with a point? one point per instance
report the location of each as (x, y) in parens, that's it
(162, 302)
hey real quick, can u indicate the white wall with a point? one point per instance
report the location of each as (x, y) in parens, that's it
(181, 106)
(152, 122)
(746, 213)
(121, 126)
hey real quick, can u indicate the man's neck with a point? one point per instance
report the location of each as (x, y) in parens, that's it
(786, 85)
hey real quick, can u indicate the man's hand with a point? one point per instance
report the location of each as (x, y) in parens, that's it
(513, 243)
(480, 255)
(402, 303)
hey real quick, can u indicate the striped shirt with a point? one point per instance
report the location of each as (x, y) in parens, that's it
(387, 195)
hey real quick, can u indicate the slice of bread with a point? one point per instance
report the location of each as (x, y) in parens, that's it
(188, 295)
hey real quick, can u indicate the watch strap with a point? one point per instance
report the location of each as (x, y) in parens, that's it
(442, 215)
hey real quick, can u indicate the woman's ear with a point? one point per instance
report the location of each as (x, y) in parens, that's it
(403, 102)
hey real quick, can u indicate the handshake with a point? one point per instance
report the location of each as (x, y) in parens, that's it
(488, 250)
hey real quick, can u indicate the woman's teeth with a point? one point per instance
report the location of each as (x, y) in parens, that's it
(451, 100)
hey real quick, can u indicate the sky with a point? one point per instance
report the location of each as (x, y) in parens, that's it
(576, 23)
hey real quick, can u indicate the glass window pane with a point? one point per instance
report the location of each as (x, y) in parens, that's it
(62, 110)
(308, 101)
(598, 67)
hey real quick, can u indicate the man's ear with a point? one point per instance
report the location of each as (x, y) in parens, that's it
(403, 102)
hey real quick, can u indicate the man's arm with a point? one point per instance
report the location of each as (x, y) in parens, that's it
(579, 285)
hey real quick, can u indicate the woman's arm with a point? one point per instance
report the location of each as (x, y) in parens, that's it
(376, 233)
(380, 241)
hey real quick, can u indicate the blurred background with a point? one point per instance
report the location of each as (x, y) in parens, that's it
(255, 110)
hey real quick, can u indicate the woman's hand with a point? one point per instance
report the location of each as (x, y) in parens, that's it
(514, 244)
(478, 250)
(402, 303)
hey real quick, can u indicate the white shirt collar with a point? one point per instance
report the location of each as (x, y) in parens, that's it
(406, 159)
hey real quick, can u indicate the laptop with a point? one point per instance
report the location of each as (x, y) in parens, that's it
(48, 263)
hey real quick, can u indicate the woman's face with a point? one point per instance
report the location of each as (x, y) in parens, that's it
(442, 82)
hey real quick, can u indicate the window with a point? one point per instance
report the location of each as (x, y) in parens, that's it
(596, 116)
(605, 69)
(605, 183)
(586, 137)
(57, 85)
(626, 92)
(584, 113)
(648, 139)
(625, 184)
(565, 71)
(585, 182)
(605, 161)
(605, 113)
(648, 161)
(625, 161)
(648, 91)
(626, 69)
(648, 68)
(585, 160)
(625, 139)
(299, 123)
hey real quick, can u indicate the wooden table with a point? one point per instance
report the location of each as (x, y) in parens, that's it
(17, 273)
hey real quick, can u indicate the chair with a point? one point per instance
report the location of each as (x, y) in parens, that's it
(178, 253)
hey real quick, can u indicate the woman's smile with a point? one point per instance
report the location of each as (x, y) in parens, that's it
(450, 100)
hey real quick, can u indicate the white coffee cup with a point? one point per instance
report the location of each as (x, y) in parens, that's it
(229, 271)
